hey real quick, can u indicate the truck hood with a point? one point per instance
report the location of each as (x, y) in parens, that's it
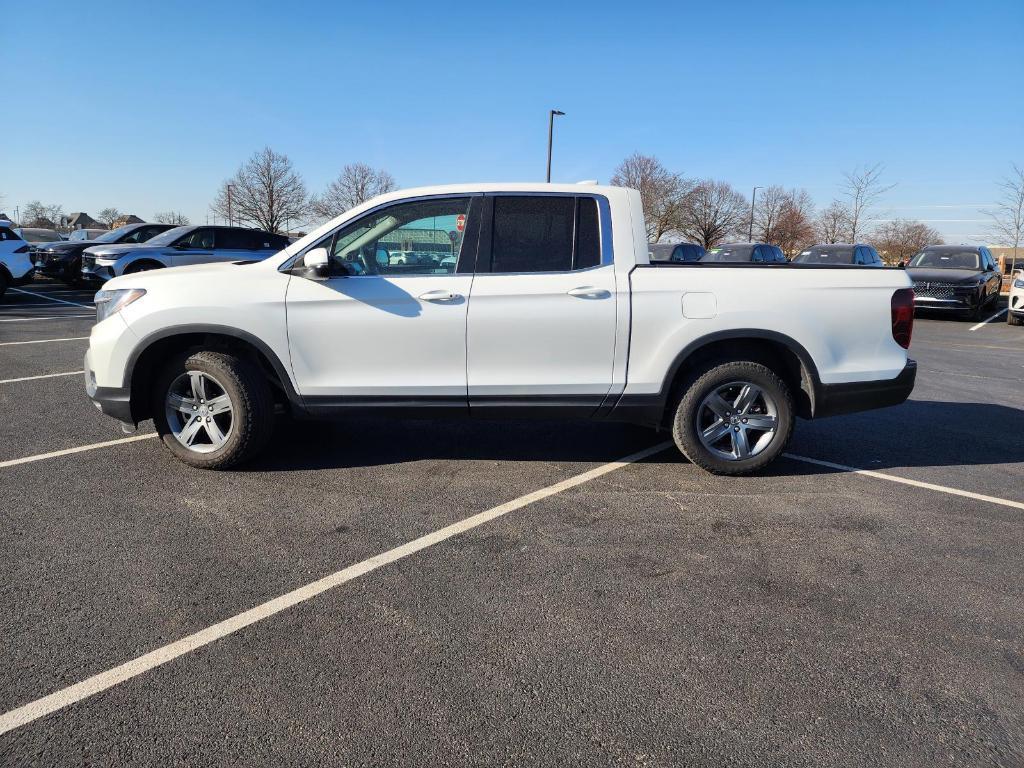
(938, 275)
(154, 278)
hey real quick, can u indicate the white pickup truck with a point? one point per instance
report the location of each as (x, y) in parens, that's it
(498, 300)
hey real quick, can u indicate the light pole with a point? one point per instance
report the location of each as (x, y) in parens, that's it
(551, 130)
(750, 233)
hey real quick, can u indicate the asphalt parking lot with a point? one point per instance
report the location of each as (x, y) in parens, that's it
(642, 614)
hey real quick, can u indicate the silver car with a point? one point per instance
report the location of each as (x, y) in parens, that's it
(178, 247)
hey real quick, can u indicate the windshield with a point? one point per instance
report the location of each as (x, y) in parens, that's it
(168, 237)
(826, 254)
(115, 234)
(944, 259)
(40, 235)
(729, 253)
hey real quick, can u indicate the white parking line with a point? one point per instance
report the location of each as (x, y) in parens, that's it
(71, 451)
(21, 304)
(53, 317)
(908, 481)
(50, 298)
(104, 680)
(42, 341)
(985, 322)
(44, 376)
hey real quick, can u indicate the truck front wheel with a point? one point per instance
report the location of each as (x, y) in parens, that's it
(213, 410)
(733, 418)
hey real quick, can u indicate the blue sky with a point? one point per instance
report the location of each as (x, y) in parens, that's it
(148, 106)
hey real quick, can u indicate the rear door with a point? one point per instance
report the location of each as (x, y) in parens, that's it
(541, 326)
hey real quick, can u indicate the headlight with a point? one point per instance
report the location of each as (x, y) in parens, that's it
(1018, 283)
(111, 302)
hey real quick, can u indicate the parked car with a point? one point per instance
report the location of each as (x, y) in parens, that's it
(181, 246)
(760, 253)
(544, 315)
(675, 251)
(15, 258)
(35, 236)
(86, 234)
(1015, 312)
(63, 260)
(840, 253)
(959, 278)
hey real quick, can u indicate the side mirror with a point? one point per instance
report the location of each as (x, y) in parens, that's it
(316, 265)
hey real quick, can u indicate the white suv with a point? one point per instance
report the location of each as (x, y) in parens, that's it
(1015, 313)
(15, 258)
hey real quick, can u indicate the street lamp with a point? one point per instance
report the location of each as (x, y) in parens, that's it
(753, 197)
(551, 129)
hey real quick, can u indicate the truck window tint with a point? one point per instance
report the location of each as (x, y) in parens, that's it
(533, 234)
(6, 233)
(588, 237)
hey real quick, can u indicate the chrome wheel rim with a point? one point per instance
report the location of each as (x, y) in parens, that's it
(737, 421)
(199, 412)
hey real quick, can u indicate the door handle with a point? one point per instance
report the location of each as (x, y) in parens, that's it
(440, 295)
(589, 292)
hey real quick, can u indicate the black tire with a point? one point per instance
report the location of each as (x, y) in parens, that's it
(704, 382)
(4, 282)
(1012, 319)
(252, 414)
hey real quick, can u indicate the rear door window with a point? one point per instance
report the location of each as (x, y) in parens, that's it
(6, 233)
(549, 233)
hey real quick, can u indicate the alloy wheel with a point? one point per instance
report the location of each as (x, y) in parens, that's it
(199, 412)
(737, 421)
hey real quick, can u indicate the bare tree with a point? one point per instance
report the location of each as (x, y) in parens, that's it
(36, 214)
(1007, 225)
(266, 192)
(832, 224)
(711, 212)
(108, 217)
(795, 226)
(176, 218)
(356, 184)
(862, 188)
(899, 239)
(662, 192)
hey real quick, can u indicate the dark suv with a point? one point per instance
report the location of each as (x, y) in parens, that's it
(840, 253)
(757, 253)
(678, 252)
(962, 278)
(63, 260)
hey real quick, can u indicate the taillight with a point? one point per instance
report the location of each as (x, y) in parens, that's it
(903, 316)
(23, 249)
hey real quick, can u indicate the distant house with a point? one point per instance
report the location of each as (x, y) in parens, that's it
(82, 220)
(128, 218)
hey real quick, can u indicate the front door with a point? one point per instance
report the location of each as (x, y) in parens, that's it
(197, 247)
(542, 312)
(388, 328)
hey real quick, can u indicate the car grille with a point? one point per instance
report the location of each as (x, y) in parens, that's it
(935, 290)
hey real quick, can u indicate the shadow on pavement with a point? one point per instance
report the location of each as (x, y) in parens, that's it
(916, 433)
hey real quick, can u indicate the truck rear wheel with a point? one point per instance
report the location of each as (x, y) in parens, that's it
(733, 418)
(213, 410)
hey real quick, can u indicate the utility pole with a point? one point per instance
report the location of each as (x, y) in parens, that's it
(231, 218)
(551, 131)
(753, 197)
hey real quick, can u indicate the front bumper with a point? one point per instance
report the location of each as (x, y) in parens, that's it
(55, 266)
(835, 399)
(113, 401)
(96, 273)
